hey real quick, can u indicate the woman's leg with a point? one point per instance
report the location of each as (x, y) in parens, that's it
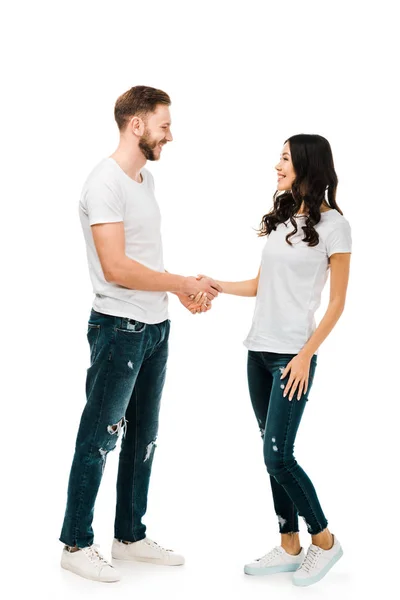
(281, 427)
(260, 381)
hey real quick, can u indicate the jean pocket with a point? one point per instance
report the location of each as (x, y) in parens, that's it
(93, 334)
(131, 326)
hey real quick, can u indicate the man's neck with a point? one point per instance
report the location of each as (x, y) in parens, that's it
(131, 161)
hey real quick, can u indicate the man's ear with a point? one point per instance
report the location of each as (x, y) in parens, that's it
(136, 125)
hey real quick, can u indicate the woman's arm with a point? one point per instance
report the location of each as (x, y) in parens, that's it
(299, 366)
(340, 269)
(239, 288)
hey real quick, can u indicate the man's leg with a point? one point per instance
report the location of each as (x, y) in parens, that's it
(136, 457)
(116, 358)
(138, 445)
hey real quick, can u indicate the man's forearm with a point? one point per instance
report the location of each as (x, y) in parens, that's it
(135, 276)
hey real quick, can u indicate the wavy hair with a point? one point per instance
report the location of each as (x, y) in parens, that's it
(315, 181)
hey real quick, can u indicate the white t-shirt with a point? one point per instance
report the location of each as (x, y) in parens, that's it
(109, 195)
(291, 282)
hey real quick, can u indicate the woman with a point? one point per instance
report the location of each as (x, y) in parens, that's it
(307, 236)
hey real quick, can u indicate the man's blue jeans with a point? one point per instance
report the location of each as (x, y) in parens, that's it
(123, 389)
(279, 420)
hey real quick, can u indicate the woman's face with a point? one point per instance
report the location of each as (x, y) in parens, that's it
(286, 174)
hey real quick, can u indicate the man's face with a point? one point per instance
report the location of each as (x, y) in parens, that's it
(157, 132)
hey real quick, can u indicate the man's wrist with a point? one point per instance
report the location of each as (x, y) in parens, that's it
(178, 284)
(173, 283)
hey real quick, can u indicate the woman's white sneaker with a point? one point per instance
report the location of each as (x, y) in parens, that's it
(146, 551)
(275, 561)
(89, 563)
(317, 563)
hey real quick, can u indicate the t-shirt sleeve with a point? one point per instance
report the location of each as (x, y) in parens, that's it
(104, 204)
(339, 239)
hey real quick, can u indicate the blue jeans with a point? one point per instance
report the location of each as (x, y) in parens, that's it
(279, 419)
(123, 389)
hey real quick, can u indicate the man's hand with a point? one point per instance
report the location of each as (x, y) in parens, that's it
(198, 304)
(192, 286)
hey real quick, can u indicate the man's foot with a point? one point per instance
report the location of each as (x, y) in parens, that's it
(317, 563)
(145, 551)
(276, 561)
(89, 563)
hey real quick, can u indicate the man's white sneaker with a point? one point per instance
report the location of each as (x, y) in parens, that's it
(145, 551)
(89, 563)
(276, 561)
(317, 563)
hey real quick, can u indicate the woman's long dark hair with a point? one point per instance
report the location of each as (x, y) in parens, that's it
(315, 181)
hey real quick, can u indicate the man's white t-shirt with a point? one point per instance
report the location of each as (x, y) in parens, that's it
(291, 282)
(109, 195)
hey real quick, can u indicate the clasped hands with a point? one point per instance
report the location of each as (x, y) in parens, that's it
(198, 293)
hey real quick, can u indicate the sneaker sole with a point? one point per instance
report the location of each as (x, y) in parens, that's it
(76, 572)
(153, 561)
(321, 574)
(271, 570)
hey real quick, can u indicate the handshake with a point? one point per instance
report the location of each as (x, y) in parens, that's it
(198, 293)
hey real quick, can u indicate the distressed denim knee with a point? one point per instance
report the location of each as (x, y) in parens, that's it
(110, 441)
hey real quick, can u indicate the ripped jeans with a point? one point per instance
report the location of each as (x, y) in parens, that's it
(123, 390)
(278, 420)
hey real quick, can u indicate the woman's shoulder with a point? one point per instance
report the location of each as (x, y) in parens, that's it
(332, 218)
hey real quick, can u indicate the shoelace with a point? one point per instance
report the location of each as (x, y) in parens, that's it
(274, 553)
(94, 556)
(311, 559)
(156, 546)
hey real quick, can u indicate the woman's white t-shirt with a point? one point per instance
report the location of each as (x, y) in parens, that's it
(291, 282)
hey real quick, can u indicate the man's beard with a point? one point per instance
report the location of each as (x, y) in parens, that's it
(147, 146)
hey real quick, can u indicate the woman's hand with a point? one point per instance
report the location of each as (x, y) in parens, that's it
(299, 368)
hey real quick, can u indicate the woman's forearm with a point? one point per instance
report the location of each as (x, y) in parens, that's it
(328, 322)
(240, 288)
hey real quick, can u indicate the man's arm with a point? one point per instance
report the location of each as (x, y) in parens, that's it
(109, 240)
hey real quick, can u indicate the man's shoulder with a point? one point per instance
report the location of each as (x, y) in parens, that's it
(103, 172)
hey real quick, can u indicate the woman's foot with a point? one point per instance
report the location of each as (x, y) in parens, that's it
(291, 542)
(275, 561)
(317, 563)
(323, 540)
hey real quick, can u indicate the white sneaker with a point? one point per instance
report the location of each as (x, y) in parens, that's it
(317, 563)
(145, 551)
(89, 563)
(276, 561)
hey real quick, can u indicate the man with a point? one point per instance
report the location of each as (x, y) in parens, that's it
(128, 333)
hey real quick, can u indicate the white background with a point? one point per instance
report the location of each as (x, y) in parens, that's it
(242, 76)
